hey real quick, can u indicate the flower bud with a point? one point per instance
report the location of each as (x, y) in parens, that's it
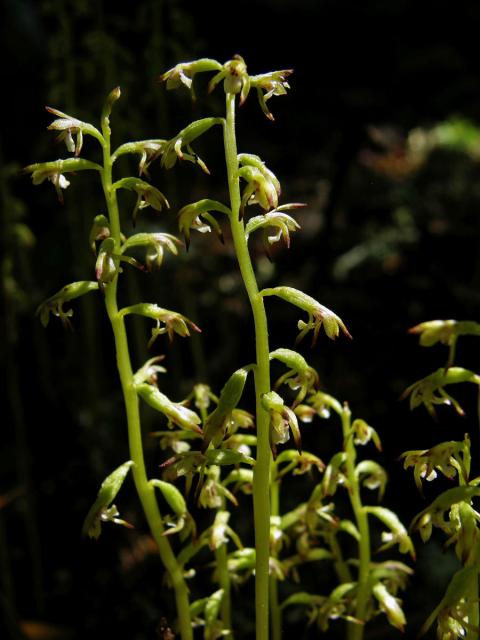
(175, 413)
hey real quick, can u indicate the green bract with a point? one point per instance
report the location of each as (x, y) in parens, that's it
(101, 511)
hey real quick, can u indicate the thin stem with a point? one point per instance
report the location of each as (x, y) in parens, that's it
(261, 481)
(356, 631)
(145, 490)
(275, 611)
(225, 584)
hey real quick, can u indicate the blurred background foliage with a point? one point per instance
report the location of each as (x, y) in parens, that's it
(379, 136)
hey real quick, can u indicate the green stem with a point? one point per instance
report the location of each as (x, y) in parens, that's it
(225, 584)
(145, 490)
(356, 631)
(261, 481)
(473, 613)
(275, 611)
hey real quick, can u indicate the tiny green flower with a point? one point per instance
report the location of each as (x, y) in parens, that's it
(147, 195)
(235, 77)
(300, 376)
(54, 172)
(148, 150)
(447, 457)
(318, 315)
(184, 72)
(169, 322)
(268, 85)
(173, 149)
(282, 421)
(155, 244)
(281, 222)
(197, 215)
(67, 125)
(54, 305)
(430, 391)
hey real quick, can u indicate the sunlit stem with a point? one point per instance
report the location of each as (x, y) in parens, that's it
(144, 488)
(261, 493)
(275, 611)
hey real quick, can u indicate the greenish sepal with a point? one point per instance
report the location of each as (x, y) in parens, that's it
(149, 371)
(169, 322)
(107, 493)
(42, 170)
(197, 216)
(172, 495)
(334, 474)
(374, 476)
(99, 231)
(216, 424)
(270, 84)
(318, 314)
(223, 457)
(390, 606)
(397, 535)
(54, 305)
(282, 223)
(349, 527)
(299, 598)
(155, 243)
(67, 125)
(184, 72)
(430, 391)
(147, 195)
(249, 159)
(175, 412)
(173, 148)
(148, 150)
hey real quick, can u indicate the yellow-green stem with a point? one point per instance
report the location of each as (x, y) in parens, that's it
(224, 581)
(145, 490)
(261, 493)
(356, 631)
(275, 611)
(221, 559)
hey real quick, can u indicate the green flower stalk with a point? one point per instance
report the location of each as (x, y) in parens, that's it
(260, 187)
(108, 232)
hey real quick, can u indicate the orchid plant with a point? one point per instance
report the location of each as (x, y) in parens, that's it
(453, 511)
(217, 450)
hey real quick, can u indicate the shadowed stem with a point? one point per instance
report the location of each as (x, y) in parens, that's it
(145, 490)
(261, 482)
(356, 631)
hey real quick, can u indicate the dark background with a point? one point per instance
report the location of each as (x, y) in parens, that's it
(389, 239)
